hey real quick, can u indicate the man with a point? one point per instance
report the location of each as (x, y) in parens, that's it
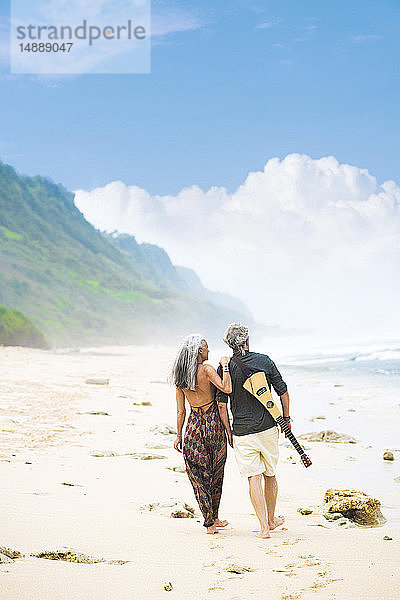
(255, 433)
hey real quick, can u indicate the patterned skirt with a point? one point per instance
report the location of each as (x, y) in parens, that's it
(204, 452)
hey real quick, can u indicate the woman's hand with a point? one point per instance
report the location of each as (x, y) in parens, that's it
(224, 360)
(230, 439)
(178, 443)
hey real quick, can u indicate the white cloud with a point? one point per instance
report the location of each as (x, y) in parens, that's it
(360, 39)
(167, 21)
(268, 24)
(304, 242)
(305, 32)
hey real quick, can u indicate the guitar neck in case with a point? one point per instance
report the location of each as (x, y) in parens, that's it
(257, 385)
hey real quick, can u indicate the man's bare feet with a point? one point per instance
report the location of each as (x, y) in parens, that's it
(219, 523)
(276, 522)
(212, 529)
(264, 534)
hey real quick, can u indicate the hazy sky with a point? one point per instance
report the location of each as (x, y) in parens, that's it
(221, 154)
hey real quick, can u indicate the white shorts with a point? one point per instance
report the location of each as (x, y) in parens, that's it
(257, 453)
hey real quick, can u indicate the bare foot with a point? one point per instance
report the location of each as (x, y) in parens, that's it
(219, 523)
(212, 529)
(264, 534)
(276, 522)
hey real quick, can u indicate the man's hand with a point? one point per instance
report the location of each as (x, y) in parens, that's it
(178, 443)
(224, 360)
(230, 439)
(289, 424)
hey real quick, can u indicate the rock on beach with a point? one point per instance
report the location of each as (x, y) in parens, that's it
(388, 455)
(172, 507)
(67, 555)
(135, 455)
(97, 381)
(327, 435)
(10, 553)
(163, 429)
(354, 505)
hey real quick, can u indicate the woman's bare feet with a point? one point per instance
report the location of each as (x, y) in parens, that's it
(212, 529)
(264, 534)
(276, 522)
(219, 523)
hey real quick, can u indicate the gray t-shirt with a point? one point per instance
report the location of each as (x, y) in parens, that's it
(249, 415)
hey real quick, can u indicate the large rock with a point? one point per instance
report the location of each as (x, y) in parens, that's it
(354, 505)
(327, 435)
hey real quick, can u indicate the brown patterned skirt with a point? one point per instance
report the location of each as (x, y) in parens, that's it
(204, 451)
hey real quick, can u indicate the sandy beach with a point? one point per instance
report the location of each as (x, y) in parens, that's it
(80, 464)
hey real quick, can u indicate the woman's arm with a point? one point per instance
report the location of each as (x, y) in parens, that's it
(180, 418)
(223, 413)
(224, 384)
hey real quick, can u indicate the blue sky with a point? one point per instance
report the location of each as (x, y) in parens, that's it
(232, 85)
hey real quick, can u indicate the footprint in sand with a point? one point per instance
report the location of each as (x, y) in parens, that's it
(318, 585)
(310, 560)
(287, 573)
(322, 580)
(290, 542)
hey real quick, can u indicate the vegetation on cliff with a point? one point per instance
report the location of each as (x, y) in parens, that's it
(79, 286)
(17, 330)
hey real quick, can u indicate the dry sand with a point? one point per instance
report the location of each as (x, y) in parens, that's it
(48, 440)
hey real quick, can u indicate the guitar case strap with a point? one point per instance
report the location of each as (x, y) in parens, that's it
(247, 371)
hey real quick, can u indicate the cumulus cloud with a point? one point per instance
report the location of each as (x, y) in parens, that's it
(306, 243)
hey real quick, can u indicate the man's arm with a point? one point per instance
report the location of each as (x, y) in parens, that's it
(275, 378)
(285, 409)
(280, 388)
(180, 418)
(285, 404)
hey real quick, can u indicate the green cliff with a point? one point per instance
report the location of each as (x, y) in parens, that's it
(17, 330)
(81, 287)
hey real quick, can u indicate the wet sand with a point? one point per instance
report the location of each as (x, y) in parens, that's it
(50, 436)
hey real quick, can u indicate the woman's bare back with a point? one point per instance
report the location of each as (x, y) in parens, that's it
(205, 391)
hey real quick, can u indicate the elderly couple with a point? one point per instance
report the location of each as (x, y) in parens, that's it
(255, 434)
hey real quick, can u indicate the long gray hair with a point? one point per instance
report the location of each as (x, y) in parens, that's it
(184, 370)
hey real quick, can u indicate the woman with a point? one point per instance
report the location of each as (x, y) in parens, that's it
(204, 447)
